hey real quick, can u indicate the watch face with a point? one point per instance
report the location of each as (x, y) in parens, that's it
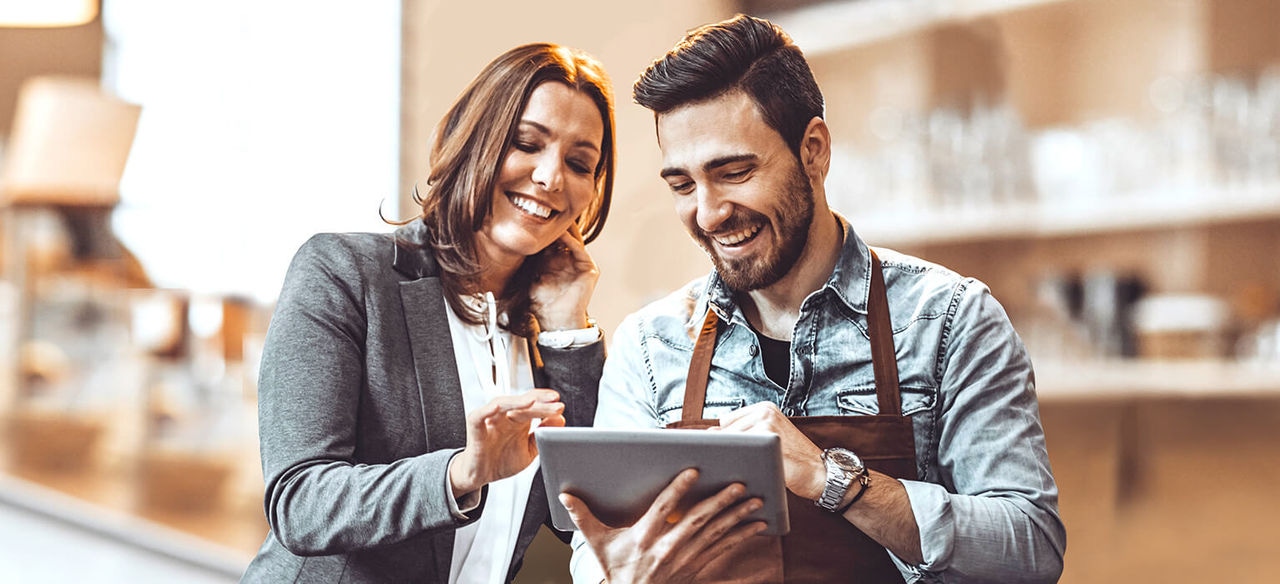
(845, 459)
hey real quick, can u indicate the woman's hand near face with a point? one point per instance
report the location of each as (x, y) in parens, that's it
(499, 441)
(562, 289)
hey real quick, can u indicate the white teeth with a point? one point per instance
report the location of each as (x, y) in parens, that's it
(531, 207)
(738, 236)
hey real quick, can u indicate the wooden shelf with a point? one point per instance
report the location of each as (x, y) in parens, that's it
(1120, 380)
(834, 26)
(1136, 212)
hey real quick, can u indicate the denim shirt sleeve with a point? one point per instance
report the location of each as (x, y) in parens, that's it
(995, 517)
(626, 400)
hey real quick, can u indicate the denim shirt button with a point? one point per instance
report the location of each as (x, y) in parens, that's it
(789, 412)
(754, 350)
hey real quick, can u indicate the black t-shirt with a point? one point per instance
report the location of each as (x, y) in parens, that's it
(777, 359)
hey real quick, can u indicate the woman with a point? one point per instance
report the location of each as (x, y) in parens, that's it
(397, 387)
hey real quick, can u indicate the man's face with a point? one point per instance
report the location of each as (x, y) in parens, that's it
(738, 189)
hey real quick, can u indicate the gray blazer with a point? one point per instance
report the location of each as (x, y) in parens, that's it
(360, 409)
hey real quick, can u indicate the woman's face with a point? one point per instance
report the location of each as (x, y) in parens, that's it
(547, 176)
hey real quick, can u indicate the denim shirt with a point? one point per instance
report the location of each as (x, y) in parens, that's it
(985, 501)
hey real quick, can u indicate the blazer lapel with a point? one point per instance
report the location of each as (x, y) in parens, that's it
(443, 413)
(434, 363)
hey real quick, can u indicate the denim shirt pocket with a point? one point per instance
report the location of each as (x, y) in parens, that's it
(862, 400)
(712, 409)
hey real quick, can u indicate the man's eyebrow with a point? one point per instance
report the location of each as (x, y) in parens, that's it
(547, 132)
(711, 165)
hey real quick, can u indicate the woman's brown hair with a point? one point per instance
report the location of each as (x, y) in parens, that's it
(470, 145)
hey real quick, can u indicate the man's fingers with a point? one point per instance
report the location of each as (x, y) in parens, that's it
(587, 523)
(714, 519)
(736, 536)
(748, 416)
(668, 501)
(715, 506)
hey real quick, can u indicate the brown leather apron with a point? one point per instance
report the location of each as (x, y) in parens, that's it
(822, 547)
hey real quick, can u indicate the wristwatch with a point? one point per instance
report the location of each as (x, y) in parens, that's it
(843, 467)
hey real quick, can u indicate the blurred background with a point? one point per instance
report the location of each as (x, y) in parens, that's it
(1111, 168)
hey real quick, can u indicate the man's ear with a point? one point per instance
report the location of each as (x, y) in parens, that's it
(815, 149)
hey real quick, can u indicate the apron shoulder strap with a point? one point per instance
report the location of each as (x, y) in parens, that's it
(883, 357)
(695, 388)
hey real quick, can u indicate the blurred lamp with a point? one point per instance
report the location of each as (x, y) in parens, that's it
(46, 13)
(69, 144)
(67, 151)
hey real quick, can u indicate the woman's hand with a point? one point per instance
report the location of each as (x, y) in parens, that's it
(669, 544)
(499, 441)
(563, 286)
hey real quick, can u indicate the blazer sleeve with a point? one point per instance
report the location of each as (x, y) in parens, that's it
(575, 373)
(319, 498)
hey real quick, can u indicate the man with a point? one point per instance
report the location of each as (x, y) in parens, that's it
(959, 487)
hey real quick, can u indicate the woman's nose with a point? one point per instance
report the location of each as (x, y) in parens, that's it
(549, 174)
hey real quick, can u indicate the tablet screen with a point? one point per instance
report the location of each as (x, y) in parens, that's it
(619, 473)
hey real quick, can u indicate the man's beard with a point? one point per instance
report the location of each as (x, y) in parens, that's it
(795, 215)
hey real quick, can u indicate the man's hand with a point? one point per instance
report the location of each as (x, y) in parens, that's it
(669, 544)
(801, 458)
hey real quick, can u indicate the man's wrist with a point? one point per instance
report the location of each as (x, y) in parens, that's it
(862, 485)
(844, 469)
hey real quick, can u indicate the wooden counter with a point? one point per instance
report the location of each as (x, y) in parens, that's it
(1169, 477)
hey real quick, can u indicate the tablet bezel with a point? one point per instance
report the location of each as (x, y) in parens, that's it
(620, 472)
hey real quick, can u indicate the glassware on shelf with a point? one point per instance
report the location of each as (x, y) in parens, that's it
(944, 159)
(1051, 329)
(1262, 344)
(1181, 141)
(1182, 326)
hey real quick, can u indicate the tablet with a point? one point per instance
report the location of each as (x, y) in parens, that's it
(619, 473)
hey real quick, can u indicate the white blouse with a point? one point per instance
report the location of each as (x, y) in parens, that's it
(491, 362)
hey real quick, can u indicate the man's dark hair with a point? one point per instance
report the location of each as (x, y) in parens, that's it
(743, 53)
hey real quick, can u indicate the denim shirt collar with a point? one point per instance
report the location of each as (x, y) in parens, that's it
(850, 281)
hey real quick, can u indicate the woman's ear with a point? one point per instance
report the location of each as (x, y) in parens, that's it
(815, 149)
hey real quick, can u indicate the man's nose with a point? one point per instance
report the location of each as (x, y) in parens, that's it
(713, 209)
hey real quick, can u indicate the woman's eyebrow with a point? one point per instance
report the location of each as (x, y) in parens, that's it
(547, 132)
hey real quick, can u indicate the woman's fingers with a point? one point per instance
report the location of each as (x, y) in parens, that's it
(538, 402)
(535, 412)
(553, 422)
(544, 395)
